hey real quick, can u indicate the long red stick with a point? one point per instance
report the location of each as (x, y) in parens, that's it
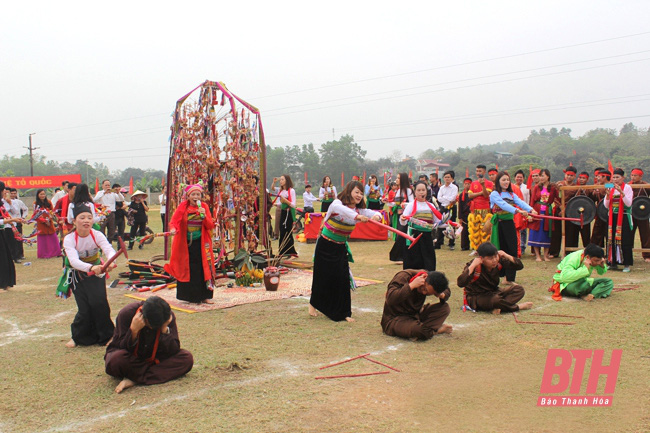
(352, 375)
(541, 323)
(551, 217)
(381, 363)
(556, 315)
(347, 360)
(397, 232)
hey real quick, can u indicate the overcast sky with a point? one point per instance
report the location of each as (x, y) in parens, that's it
(99, 80)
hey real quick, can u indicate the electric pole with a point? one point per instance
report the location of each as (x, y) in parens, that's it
(31, 156)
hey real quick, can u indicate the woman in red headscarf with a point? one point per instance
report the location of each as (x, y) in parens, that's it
(192, 259)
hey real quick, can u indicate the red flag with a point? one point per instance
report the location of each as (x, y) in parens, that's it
(574, 151)
(437, 168)
(570, 164)
(96, 185)
(466, 172)
(497, 166)
(131, 185)
(529, 181)
(163, 181)
(342, 180)
(609, 165)
(410, 174)
(305, 177)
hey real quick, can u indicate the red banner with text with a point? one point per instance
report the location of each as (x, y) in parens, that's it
(27, 182)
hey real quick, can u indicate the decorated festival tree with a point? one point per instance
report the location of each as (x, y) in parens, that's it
(217, 139)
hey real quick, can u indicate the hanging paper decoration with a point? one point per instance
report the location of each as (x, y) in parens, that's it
(217, 139)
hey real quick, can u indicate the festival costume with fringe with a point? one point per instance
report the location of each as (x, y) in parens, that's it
(543, 201)
(480, 214)
(192, 259)
(619, 226)
(332, 279)
(327, 196)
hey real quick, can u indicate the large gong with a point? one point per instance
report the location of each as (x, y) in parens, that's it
(641, 208)
(581, 205)
(603, 212)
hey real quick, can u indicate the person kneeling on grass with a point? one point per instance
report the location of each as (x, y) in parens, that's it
(480, 279)
(572, 275)
(145, 349)
(405, 313)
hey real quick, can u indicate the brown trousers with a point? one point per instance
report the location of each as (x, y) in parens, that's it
(505, 300)
(428, 322)
(599, 232)
(121, 364)
(644, 233)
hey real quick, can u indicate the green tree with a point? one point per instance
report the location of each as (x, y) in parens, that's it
(342, 155)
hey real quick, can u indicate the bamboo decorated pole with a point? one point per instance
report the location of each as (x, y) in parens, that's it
(399, 233)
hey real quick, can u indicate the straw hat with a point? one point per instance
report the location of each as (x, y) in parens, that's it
(138, 192)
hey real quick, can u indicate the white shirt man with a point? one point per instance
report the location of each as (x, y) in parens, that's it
(62, 192)
(108, 197)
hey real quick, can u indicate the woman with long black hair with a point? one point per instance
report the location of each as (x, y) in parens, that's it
(47, 241)
(7, 268)
(505, 204)
(287, 203)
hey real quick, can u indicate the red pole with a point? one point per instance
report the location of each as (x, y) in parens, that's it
(352, 375)
(343, 362)
(397, 232)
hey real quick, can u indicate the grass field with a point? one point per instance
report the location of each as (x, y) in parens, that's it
(255, 364)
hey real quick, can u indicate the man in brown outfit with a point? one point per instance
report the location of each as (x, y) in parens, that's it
(145, 348)
(405, 313)
(480, 278)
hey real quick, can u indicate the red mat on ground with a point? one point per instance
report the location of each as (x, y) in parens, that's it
(362, 231)
(296, 282)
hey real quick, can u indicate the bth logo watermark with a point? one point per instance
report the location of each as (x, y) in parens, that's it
(558, 364)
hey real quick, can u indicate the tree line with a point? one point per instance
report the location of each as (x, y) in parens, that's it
(554, 149)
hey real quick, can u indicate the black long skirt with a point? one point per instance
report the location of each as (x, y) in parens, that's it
(508, 244)
(324, 206)
(330, 287)
(375, 205)
(423, 253)
(92, 324)
(286, 233)
(397, 253)
(7, 268)
(195, 290)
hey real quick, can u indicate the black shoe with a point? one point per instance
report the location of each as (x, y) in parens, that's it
(17, 261)
(130, 247)
(140, 246)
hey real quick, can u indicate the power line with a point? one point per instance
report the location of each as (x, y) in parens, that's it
(401, 74)
(501, 129)
(462, 80)
(476, 115)
(459, 87)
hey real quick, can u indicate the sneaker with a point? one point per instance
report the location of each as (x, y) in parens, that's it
(452, 248)
(626, 269)
(130, 248)
(17, 261)
(473, 253)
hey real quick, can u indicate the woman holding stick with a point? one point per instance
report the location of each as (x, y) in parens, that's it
(287, 203)
(191, 261)
(420, 216)
(542, 198)
(504, 233)
(403, 196)
(619, 232)
(332, 281)
(82, 275)
(47, 241)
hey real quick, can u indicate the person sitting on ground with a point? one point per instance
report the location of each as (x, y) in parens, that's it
(145, 349)
(572, 277)
(480, 279)
(405, 313)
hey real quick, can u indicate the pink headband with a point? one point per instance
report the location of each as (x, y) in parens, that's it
(190, 188)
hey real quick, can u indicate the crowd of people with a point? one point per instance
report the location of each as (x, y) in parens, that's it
(143, 345)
